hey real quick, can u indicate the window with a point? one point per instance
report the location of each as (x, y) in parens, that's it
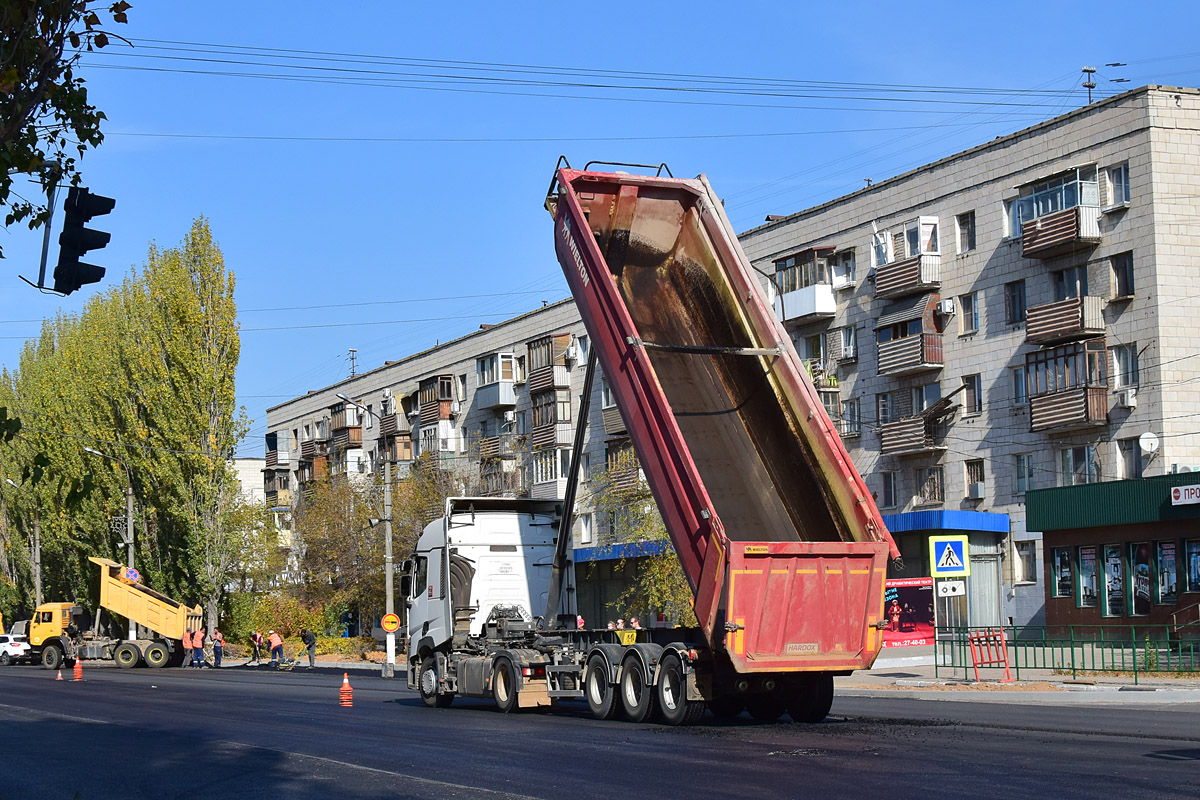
(544, 405)
(585, 528)
(881, 248)
(969, 317)
(585, 464)
(843, 269)
(1012, 221)
(800, 271)
(461, 395)
(541, 353)
(849, 336)
(1139, 578)
(921, 236)
(931, 486)
(494, 368)
(520, 422)
(1079, 465)
(519, 369)
(925, 396)
(964, 226)
(583, 347)
(1020, 392)
(851, 426)
(420, 576)
(1166, 568)
(1118, 185)
(1122, 274)
(900, 330)
(974, 470)
(1024, 468)
(1026, 566)
(1062, 583)
(607, 400)
(832, 405)
(812, 348)
(1070, 283)
(1192, 565)
(1125, 365)
(1089, 590)
(550, 465)
(562, 399)
(887, 497)
(1077, 187)
(1067, 367)
(1014, 302)
(1131, 458)
(973, 394)
(885, 408)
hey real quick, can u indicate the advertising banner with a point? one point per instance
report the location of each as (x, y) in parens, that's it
(908, 608)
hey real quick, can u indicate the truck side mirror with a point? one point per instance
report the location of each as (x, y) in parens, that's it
(405, 585)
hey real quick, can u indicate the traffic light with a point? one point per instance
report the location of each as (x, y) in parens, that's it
(75, 240)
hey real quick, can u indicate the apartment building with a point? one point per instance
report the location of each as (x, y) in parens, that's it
(1011, 317)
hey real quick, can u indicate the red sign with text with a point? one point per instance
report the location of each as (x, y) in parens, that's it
(908, 609)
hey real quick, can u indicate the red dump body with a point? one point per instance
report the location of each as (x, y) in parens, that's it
(775, 529)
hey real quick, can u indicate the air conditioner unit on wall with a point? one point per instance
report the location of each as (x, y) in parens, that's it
(1127, 398)
(976, 491)
(946, 307)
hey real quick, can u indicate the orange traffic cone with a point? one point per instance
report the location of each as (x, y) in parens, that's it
(59, 678)
(79, 669)
(347, 693)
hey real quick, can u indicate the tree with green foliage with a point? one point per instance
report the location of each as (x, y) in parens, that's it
(341, 554)
(44, 108)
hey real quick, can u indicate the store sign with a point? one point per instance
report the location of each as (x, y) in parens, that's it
(1185, 495)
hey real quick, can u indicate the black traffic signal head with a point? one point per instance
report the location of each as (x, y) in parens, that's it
(75, 240)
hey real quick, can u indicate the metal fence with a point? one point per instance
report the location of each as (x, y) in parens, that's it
(1135, 649)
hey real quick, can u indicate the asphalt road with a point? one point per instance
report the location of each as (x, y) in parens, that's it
(241, 733)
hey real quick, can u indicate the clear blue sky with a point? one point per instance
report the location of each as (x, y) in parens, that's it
(442, 228)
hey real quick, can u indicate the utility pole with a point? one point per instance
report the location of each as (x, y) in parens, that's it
(129, 540)
(1089, 82)
(389, 663)
(37, 560)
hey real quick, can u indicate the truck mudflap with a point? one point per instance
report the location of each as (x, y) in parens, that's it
(804, 606)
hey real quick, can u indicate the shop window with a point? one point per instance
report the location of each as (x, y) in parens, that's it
(1166, 569)
(1114, 581)
(1089, 594)
(1192, 564)
(1026, 562)
(1139, 579)
(1062, 584)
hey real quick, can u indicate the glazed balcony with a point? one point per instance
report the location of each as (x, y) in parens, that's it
(911, 355)
(806, 304)
(500, 394)
(1065, 320)
(919, 273)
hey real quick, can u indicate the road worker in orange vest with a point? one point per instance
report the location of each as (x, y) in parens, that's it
(276, 643)
(198, 649)
(187, 647)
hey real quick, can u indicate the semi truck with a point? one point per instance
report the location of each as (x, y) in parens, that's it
(59, 632)
(776, 532)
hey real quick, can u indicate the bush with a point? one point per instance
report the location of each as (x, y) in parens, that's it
(285, 615)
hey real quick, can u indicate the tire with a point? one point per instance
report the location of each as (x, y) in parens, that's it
(52, 657)
(812, 700)
(127, 655)
(671, 693)
(5, 659)
(504, 686)
(427, 683)
(727, 706)
(157, 655)
(601, 698)
(766, 707)
(637, 692)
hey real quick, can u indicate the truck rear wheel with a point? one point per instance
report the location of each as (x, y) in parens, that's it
(812, 700)
(601, 698)
(127, 655)
(504, 686)
(52, 656)
(637, 693)
(727, 706)
(427, 683)
(671, 690)
(157, 655)
(766, 707)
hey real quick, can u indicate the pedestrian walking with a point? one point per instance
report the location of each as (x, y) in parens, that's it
(256, 640)
(218, 643)
(276, 643)
(198, 649)
(187, 647)
(310, 643)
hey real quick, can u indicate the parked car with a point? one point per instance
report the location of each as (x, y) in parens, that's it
(13, 649)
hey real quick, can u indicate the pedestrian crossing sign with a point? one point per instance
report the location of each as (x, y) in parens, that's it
(949, 556)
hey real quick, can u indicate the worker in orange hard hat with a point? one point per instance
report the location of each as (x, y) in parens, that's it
(276, 643)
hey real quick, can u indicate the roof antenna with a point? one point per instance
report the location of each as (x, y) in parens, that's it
(353, 362)
(1089, 81)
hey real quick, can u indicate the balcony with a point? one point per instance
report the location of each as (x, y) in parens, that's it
(346, 438)
(849, 428)
(549, 377)
(908, 437)
(558, 434)
(279, 498)
(393, 424)
(315, 470)
(344, 416)
(278, 458)
(1061, 232)
(919, 273)
(496, 395)
(614, 423)
(911, 355)
(822, 374)
(1073, 318)
(396, 448)
(314, 448)
(1077, 408)
(505, 446)
(807, 304)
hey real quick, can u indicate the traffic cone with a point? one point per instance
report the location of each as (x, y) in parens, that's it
(79, 669)
(347, 693)
(59, 678)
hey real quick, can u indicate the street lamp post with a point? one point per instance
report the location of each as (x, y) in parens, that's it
(388, 669)
(128, 520)
(37, 550)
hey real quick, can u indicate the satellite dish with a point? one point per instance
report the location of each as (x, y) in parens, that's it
(1148, 442)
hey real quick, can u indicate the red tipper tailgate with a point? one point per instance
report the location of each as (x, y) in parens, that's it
(805, 605)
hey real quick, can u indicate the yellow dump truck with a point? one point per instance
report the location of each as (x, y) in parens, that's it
(58, 635)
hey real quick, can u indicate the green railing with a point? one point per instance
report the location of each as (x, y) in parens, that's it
(1135, 649)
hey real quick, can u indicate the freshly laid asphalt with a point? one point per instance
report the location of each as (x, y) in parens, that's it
(241, 732)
